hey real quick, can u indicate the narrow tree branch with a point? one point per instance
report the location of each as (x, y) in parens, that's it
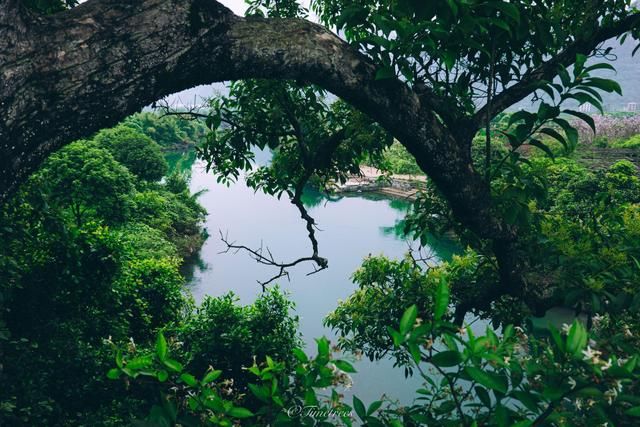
(549, 69)
(263, 255)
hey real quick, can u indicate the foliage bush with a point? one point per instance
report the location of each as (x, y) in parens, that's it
(633, 142)
(170, 132)
(397, 160)
(231, 336)
(511, 379)
(139, 153)
(80, 261)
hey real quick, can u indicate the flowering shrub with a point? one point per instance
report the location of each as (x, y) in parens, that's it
(611, 128)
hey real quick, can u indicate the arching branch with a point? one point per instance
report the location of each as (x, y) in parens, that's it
(81, 70)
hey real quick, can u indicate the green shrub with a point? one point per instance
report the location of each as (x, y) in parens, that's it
(228, 336)
(633, 142)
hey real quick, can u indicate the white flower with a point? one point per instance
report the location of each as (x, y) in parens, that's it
(572, 383)
(591, 354)
(506, 360)
(566, 328)
(578, 404)
(597, 319)
(618, 385)
(627, 331)
(607, 365)
(610, 395)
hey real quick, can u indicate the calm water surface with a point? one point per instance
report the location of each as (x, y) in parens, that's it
(352, 228)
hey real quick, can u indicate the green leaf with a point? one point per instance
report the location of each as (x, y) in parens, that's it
(541, 146)
(508, 9)
(300, 355)
(174, 365)
(557, 338)
(162, 375)
(600, 66)
(592, 392)
(189, 380)
(374, 407)
(344, 366)
(569, 131)
(119, 363)
(261, 392)
(527, 399)
(415, 352)
(453, 6)
(555, 135)
(564, 76)
(579, 64)
(323, 347)
(483, 395)
(521, 115)
(585, 98)
(577, 338)
(547, 88)
(523, 423)
(408, 319)
(606, 85)
(546, 111)
(442, 299)
(139, 362)
(161, 346)
(238, 412)
(446, 359)
(398, 338)
(584, 117)
(633, 412)
(487, 379)
(211, 376)
(113, 374)
(358, 406)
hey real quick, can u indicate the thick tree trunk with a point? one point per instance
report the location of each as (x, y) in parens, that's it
(65, 76)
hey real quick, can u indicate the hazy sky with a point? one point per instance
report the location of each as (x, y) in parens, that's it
(238, 6)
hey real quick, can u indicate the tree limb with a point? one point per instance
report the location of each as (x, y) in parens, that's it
(87, 68)
(549, 69)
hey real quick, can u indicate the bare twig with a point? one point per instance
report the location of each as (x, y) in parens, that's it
(420, 256)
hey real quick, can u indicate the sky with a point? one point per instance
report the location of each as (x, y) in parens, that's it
(237, 6)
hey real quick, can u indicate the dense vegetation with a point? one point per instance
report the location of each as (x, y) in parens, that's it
(91, 251)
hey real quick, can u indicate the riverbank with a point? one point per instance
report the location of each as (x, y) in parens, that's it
(397, 186)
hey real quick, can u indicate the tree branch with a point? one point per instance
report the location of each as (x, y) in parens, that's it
(87, 68)
(264, 256)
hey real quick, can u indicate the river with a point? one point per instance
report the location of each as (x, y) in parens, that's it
(351, 229)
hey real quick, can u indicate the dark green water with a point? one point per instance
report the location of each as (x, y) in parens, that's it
(352, 228)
